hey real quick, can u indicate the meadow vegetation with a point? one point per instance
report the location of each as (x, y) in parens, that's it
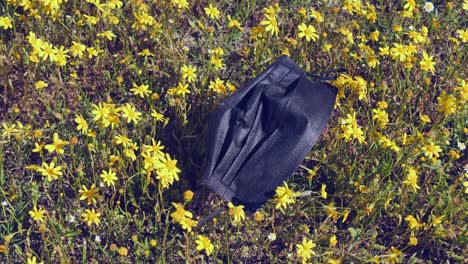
(103, 110)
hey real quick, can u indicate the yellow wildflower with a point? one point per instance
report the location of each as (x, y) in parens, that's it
(426, 63)
(89, 194)
(431, 150)
(308, 31)
(130, 113)
(39, 85)
(37, 214)
(304, 250)
(82, 124)
(237, 212)
(50, 171)
(212, 12)
(109, 177)
(141, 90)
(91, 217)
(203, 243)
(413, 223)
(5, 22)
(271, 24)
(412, 178)
(189, 73)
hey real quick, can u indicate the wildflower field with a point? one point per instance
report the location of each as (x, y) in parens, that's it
(104, 106)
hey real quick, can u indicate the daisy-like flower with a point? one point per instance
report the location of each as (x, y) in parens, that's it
(189, 73)
(140, 90)
(47, 52)
(109, 177)
(304, 250)
(156, 147)
(180, 4)
(182, 89)
(180, 212)
(271, 236)
(37, 214)
(218, 86)
(107, 34)
(463, 35)
(183, 217)
(130, 113)
(187, 224)
(82, 124)
(428, 7)
(158, 116)
(399, 52)
(39, 85)
(447, 103)
(169, 166)
(89, 194)
(61, 56)
(50, 171)
(271, 24)
(203, 243)
(284, 196)
(426, 63)
(412, 178)
(123, 140)
(237, 212)
(91, 217)
(234, 23)
(5, 22)
(413, 223)
(217, 62)
(431, 150)
(212, 12)
(92, 52)
(57, 145)
(308, 31)
(77, 49)
(461, 145)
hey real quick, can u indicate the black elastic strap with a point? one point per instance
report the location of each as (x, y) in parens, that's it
(211, 216)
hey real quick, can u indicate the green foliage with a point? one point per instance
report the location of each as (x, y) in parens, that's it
(104, 105)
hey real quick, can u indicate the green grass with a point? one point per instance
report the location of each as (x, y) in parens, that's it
(370, 198)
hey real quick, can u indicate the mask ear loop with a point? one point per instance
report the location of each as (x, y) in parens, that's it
(198, 192)
(327, 76)
(211, 216)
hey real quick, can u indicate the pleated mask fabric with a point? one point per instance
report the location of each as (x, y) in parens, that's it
(260, 134)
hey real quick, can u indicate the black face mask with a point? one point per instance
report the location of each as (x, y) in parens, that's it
(260, 134)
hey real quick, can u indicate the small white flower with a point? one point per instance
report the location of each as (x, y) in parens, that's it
(428, 7)
(411, 27)
(5, 203)
(71, 219)
(461, 145)
(97, 239)
(272, 236)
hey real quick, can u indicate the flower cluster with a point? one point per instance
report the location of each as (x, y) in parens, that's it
(183, 217)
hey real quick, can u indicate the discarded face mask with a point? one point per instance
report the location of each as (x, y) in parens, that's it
(259, 135)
